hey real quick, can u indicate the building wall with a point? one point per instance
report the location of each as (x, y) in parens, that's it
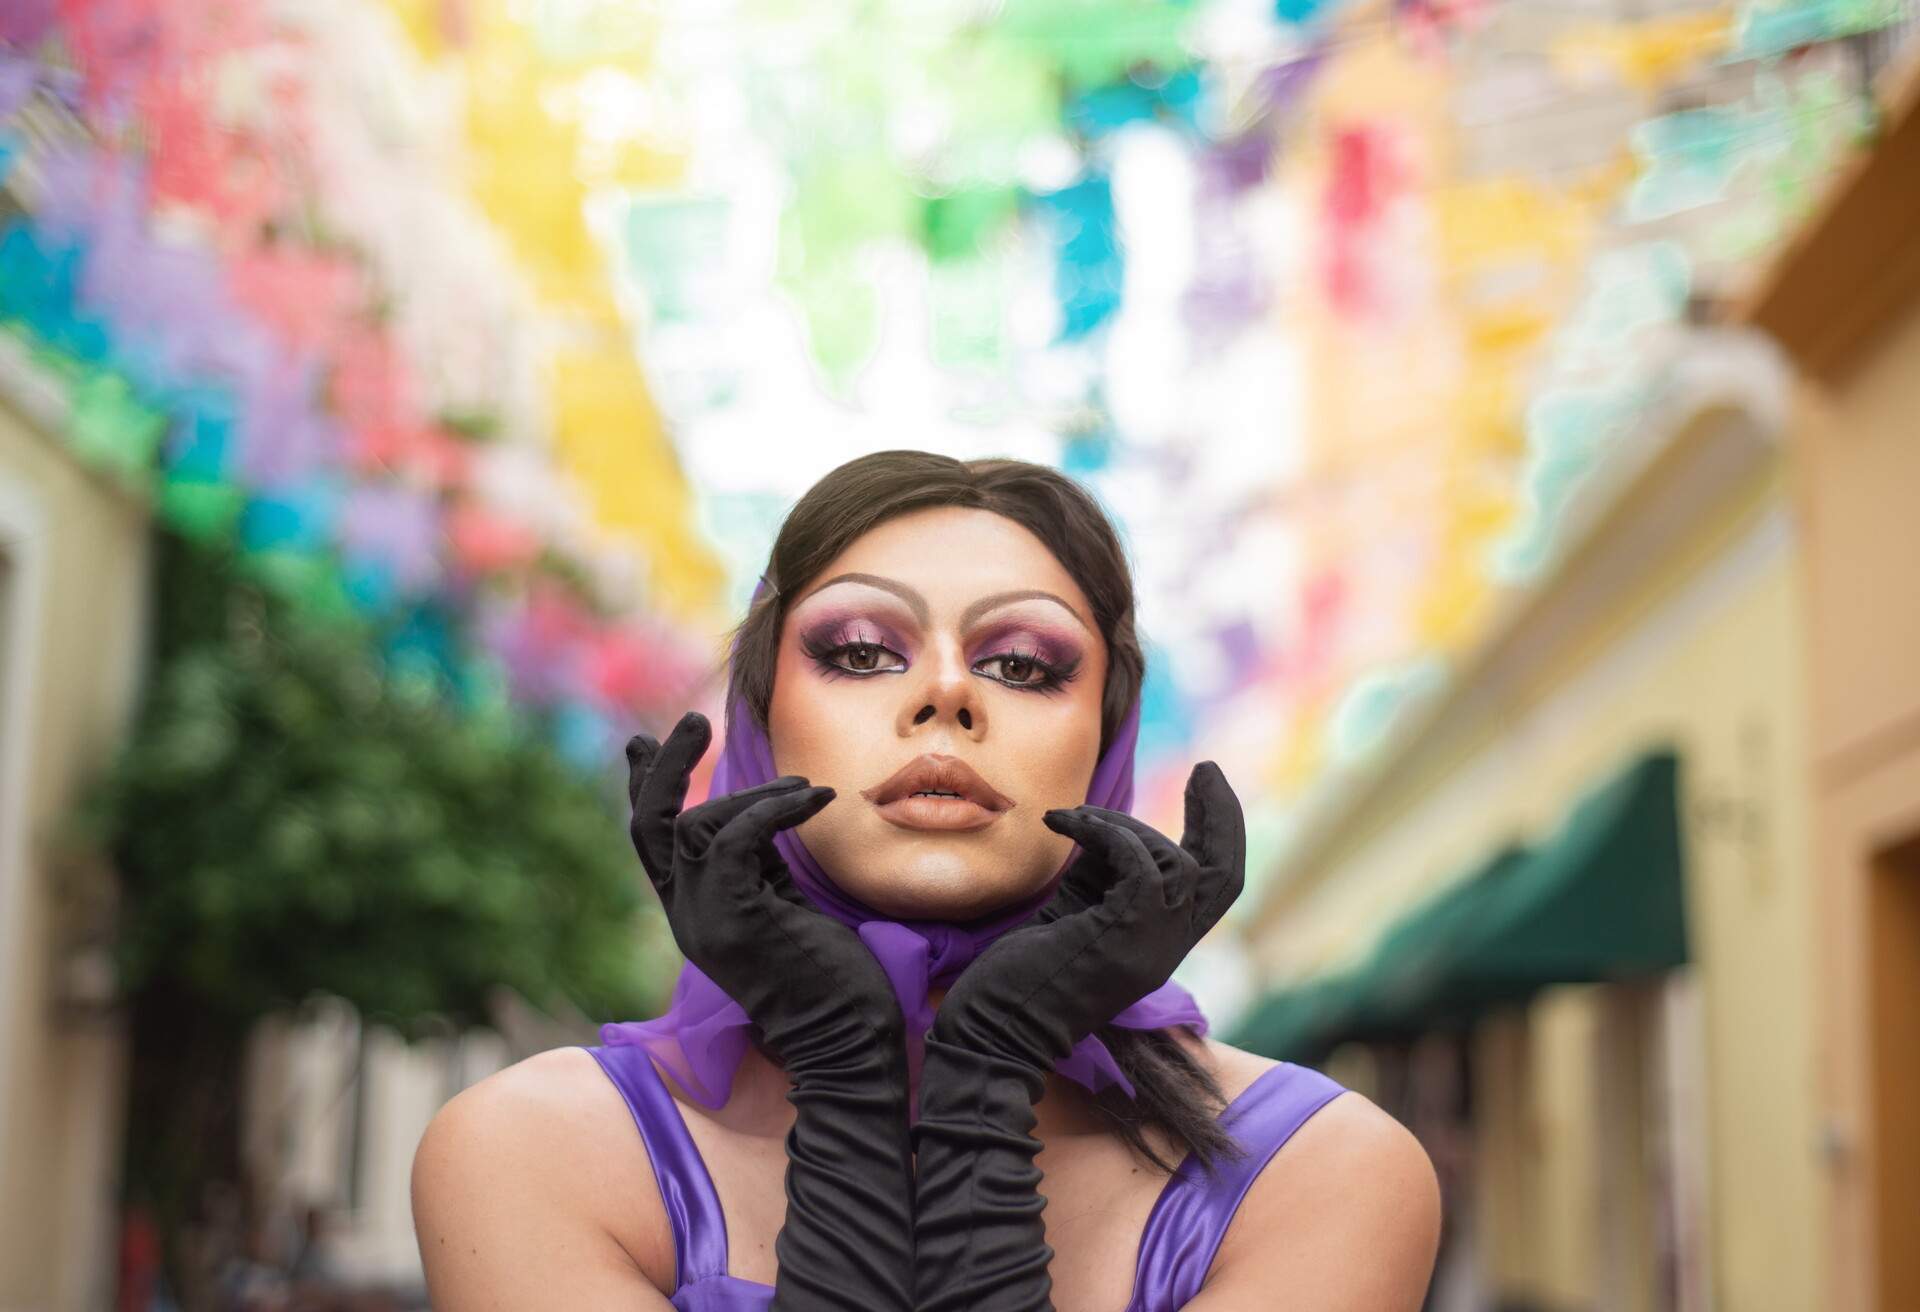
(1564, 1151)
(1706, 655)
(1858, 460)
(334, 1111)
(1857, 447)
(71, 643)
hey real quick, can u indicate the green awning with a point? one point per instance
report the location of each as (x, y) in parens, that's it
(1298, 1020)
(1416, 960)
(1601, 899)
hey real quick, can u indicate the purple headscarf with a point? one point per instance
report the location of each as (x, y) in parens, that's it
(703, 1034)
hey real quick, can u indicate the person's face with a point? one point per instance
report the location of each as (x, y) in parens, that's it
(955, 632)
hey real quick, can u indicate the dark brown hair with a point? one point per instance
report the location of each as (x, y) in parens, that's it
(1174, 1094)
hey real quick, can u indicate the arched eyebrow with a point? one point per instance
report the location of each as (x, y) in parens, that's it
(975, 609)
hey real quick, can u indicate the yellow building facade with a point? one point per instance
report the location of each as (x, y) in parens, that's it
(1734, 1129)
(1844, 302)
(73, 620)
(1652, 1142)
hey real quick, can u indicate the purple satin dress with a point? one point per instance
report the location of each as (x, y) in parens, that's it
(1184, 1230)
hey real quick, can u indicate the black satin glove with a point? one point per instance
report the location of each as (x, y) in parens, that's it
(821, 1002)
(1124, 916)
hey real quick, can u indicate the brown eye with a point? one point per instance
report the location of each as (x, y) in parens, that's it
(1022, 672)
(1017, 669)
(856, 657)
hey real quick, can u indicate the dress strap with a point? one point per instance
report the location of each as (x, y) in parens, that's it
(686, 1188)
(1191, 1216)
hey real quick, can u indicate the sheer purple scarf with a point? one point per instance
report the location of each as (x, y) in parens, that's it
(703, 1034)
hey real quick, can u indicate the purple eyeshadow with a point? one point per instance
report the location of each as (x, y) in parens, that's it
(1025, 635)
(840, 627)
(1030, 639)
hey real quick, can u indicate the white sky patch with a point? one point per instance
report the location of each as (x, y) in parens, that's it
(1146, 354)
(1250, 405)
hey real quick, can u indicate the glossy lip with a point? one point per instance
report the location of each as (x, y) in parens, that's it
(934, 770)
(953, 813)
(978, 805)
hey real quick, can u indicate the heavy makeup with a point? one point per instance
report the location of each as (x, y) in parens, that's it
(952, 634)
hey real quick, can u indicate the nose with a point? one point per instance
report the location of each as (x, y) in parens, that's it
(942, 690)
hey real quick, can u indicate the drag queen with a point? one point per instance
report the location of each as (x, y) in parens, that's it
(925, 1052)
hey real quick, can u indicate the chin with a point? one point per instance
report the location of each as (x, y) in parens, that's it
(930, 894)
(911, 874)
(913, 877)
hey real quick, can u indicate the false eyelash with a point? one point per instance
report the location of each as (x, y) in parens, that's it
(822, 648)
(1057, 676)
(823, 658)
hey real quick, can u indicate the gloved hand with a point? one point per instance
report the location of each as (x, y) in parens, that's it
(821, 1002)
(1124, 916)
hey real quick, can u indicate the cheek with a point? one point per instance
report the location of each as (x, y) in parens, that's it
(1052, 760)
(811, 734)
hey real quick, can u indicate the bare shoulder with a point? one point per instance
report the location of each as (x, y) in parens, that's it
(1234, 1068)
(1355, 1199)
(525, 1195)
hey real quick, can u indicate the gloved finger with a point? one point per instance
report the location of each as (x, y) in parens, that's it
(757, 824)
(1126, 853)
(778, 878)
(651, 840)
(745, 844)
(1128, 897)
(1082, 884)
(1217, 835)
(1086, 878)
(662, 790)
(641, 749)
(1073, 821)
(1069, 818)
(697, 825)
(1215, 827)
(1155, 840)
(1226, 820)
(1195, 836)
(1180, 873)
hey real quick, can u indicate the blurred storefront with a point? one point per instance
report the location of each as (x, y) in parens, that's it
(73, 620)
(1559, 927)
(334, 1110)
(1844, 302)
(1623, 919)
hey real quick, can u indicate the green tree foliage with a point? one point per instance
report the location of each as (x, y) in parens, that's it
(289, 818)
